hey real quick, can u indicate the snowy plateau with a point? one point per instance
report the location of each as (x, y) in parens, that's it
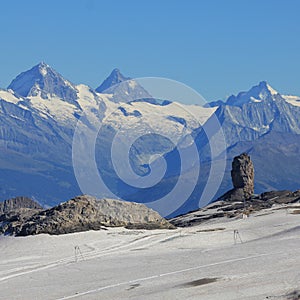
(200, 262)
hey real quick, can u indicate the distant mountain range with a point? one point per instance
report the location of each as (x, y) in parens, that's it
(40, 109)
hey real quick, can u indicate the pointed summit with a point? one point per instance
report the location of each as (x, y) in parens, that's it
(124, 89)
(114, 78)
(257, 93)
(43, 81)
(264, 86)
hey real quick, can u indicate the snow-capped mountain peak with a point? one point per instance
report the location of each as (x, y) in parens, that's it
(124, 89)
(258, 93)
(43, 68)
(43, 81)
(40, 111)
(114, 78)
(271, 90)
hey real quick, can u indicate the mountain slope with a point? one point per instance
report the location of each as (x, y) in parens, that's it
(114, 78)
(40, 111)
(45, 82)
(37, 129)
(251, 114)
(124, 89)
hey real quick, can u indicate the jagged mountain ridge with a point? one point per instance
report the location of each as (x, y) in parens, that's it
(122, 88)
(114, 78)
(36, 133)
(265, 125)
(43, 81)
(37, 129)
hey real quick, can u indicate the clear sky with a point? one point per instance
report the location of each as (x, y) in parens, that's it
(216, 47)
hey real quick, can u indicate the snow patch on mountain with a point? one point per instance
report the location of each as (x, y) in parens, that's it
(261, 92)
(123, 89)
(43, 81)
(36, 128)
(271, 90)
(54, 108)
(255, 100)
(9, 96)
(294, 100)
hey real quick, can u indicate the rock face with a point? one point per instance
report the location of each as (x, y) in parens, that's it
(87, 213)
(43, 81)
(242, 174)
(232, 204)
(17, 203)
(124, 89)
(13, 212)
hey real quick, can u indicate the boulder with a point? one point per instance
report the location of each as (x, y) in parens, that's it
(88, 213)
(13, 212)
(242, 174)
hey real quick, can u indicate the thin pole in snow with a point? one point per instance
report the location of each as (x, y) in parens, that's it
(236, 236)
(78, 253)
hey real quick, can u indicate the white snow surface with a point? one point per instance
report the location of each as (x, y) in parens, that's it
(255, 100)
(272, 91)
(159, 264)
(8, 96)
(54, 108)
(91, 104)
(294, 100)
(159, 119)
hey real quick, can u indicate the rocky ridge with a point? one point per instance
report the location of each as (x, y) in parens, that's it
(18, 203)
(81, 214)
(237, 209)
(240, 201)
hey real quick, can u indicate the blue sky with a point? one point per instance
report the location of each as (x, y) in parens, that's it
(216, 47)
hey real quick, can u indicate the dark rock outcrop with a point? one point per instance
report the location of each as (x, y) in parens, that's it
(17, 203)
(240, 200)
(236, 208)
(242, 175)
(87, 213)
(13, 212)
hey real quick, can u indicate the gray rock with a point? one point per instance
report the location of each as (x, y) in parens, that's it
(87, 213)
(13, 212)
(236, 194)
(18, 203)
(11, 221)
(236, 208)
(242, 174)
